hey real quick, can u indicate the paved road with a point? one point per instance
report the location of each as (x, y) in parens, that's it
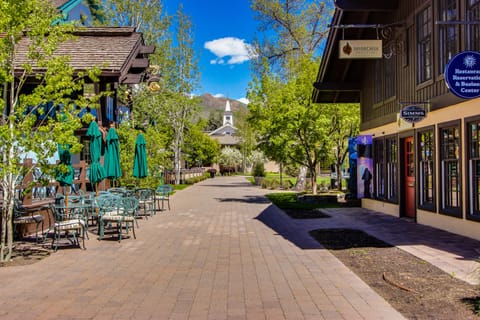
(222, 252)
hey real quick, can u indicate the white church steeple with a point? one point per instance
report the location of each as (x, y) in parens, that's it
(227, 115)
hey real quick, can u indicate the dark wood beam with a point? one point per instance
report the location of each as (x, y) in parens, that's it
(140, 63)
(131, 78)
(147, 49)
(367, 5)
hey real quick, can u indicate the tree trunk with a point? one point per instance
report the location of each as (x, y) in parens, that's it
(301, 179)
(313, 181)
(339, 176)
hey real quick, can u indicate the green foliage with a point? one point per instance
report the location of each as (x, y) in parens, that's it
(215, 120)
(288, 200)
(197, 179)
(156, 156)
(290, 29)
(40, 116)
(259, 169)
(200, 149)
(165, 105)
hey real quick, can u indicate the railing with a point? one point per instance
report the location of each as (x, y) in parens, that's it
(48, 191)
(185, 174)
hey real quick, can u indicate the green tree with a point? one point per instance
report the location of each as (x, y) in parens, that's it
(199, 148)
(165, 103)
(290, 125)
(215, 120)
(290, 29)
(291, 128)
(345, 123)
(246, 137)
(38, 117)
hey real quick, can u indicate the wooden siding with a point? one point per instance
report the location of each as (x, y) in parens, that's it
(434, 91)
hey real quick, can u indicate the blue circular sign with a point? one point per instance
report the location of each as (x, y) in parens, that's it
(462, 75)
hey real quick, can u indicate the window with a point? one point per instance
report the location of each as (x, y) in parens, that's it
(447, 34)
(379, 169)
(450, 173)
(426, 169)
(386, 168)
(473, 170)
(473, 30)
(424, 45)
(391, 168)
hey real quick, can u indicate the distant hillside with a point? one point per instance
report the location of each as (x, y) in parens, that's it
(210, 104)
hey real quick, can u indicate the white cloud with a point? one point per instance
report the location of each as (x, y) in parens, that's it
(236, 50)
(219, 95)
(244, 100)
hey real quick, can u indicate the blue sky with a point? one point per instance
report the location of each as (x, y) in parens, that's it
(223, 31)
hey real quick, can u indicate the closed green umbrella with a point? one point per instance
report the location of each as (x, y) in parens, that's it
(140, 165)
(64, 174)
(112, 155)
(97, 173)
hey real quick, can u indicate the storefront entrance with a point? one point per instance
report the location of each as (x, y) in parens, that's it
(408, 194)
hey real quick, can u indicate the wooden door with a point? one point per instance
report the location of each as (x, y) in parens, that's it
(409, 176)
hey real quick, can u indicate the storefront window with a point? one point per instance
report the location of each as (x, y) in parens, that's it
(379, 167)
(450, 173)
(473, 170)
(426, 169)
(391, 168)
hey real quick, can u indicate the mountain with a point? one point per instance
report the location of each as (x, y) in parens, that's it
(209, 103)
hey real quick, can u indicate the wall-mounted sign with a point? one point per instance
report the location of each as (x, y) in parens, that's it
(462, 75)
(360, 49)
(412, 114)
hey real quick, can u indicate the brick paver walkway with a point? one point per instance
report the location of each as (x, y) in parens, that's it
(222, 252)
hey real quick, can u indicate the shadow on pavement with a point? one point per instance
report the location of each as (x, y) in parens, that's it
(246, 199)
(286, 227)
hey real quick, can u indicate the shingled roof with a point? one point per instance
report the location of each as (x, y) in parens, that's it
(116, 51)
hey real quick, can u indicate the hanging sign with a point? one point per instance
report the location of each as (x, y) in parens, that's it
(412, 114)
(462, 75)
(360, 49)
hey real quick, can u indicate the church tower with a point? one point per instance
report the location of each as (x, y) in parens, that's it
(228, 115)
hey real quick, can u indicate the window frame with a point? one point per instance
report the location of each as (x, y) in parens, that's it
(392, 178)
(424, 43)
(472, 15)
(379, 168)
(468, 156)
(421, 191)
(454, 211)
(448, 35)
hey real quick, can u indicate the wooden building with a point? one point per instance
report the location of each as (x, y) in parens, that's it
(427, 168)
(119, 53)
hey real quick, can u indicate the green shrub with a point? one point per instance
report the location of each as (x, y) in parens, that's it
(259, 170)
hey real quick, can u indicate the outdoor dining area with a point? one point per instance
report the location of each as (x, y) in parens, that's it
(69, 215)
(112, 214)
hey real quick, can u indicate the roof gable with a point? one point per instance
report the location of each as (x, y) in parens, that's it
(116, 51)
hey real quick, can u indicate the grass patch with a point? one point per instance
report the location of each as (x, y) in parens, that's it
(288, 200)
(180, 186)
